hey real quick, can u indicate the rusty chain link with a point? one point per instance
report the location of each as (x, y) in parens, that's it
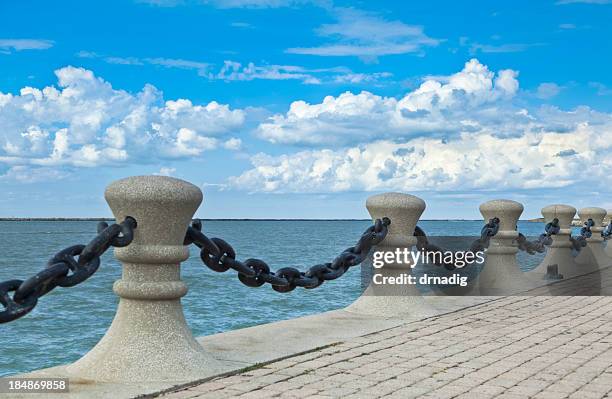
(219, 256)
(56, 273)
(488, 230)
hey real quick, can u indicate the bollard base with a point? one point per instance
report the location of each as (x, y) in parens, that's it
(392, 307)
(566, 264)
(594, 256)
(147, 341)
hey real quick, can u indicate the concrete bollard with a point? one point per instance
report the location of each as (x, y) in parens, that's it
(560, 251)
(149, 339)
(593, 255)
(501, 274)
(390, 300)
(607, 220)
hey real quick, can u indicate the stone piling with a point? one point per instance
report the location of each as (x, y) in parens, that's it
(560, 251)
(501, 274)
(391, 300)
(593, 256)
(149, 339)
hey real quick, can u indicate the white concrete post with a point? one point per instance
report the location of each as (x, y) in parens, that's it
(501, 274)
(560, 251)
(149, 339)
(390, 300)
(593, 255)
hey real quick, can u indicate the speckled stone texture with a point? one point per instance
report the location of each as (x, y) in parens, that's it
(608, 217)
(501, 274)
(149, 339)
(559, 252)
(388, 300)
(594, 254)
(608, 245)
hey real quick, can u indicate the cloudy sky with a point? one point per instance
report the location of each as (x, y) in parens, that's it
(302, 109)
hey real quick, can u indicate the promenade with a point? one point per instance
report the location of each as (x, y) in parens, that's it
(546, 333)
(512, 347)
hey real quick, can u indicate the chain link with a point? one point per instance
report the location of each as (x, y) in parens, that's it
(580, 241)
(607, 232)
(219, 256)
(489, 230)
(63, 270)
(544, 240)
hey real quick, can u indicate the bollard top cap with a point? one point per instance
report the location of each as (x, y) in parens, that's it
(565, 214)
(162, 206)
(508, 212)
(501, 204)
(595, 213)
(153, 188)
(404, 210)
(395, 201)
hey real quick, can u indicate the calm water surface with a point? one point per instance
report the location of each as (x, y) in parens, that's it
(70, 321)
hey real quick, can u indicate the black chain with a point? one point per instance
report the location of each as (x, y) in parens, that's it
(607, 232)
(544, 240)
(580, 241)
(219, 256)
(55, 274)
(488, 230)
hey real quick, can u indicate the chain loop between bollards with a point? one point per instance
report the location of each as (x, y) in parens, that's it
(544, 240)
(56, 273)
(489, 230)
(580, 241)
(220, 256)
(607, 232)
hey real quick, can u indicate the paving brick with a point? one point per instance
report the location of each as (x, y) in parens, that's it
(512, 348)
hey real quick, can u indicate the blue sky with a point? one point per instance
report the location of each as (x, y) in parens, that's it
(280, 108)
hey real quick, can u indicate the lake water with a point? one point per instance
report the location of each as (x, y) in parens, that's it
(70, 321)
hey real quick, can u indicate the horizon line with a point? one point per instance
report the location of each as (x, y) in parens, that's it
(104, 219)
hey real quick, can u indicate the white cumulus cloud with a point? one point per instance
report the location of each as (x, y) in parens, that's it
(85, 122)
(470, 162)
(469, 100)
(457, 132)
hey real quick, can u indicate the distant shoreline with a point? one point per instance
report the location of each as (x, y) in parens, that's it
(36, 219)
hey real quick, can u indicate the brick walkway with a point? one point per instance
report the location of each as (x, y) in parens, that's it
(514, 347)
